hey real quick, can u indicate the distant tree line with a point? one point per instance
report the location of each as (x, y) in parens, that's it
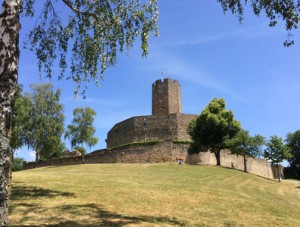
(215, 129)
(38, 122)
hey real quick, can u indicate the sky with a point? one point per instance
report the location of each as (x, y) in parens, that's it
(211, 55)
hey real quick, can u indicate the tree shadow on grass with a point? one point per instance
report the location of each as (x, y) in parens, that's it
(103, 217)
(20, 195)
(92, 214)
(20, 192)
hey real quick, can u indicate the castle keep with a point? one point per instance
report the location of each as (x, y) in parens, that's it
(166, 97)
(166, 122)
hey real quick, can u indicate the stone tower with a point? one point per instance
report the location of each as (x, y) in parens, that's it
(166, 97)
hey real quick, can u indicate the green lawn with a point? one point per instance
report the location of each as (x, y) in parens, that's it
(151, 195)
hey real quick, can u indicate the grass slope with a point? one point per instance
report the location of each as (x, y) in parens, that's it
(151, 195)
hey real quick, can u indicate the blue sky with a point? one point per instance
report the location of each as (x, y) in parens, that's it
(211, 55)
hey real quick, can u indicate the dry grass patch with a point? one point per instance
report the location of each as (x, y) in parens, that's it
(151, 195)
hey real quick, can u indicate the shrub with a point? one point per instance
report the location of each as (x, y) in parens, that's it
(81, 150)
(17, 164)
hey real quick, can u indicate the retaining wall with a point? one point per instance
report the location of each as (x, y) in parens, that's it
(166, 151)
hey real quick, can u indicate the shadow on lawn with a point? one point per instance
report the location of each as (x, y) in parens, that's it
(20, 192)
(72, 214)
(107, 218)
(97, 216)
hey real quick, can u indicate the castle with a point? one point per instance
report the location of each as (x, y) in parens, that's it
(160, 137)
(166, 122)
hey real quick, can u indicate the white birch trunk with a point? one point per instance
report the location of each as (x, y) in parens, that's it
(9, 61)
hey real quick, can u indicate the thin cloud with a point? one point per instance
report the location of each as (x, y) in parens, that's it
(253, 32)
(177, 67)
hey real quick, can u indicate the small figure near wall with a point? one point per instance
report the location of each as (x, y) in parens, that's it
(179, 160)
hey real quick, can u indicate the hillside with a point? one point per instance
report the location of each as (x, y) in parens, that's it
(151, 195)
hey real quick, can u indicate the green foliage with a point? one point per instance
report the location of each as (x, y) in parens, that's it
(293, 142)
(45, 124)
(287, 10)
(276, 151)
(94, 31)
(212, 128)
(244, 144)
(20, 116)
(81, 150)
(82, 130)
(17, 164)
(182, 141)
(147, 143)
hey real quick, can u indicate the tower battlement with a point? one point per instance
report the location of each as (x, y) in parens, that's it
(165, 81)
(166, 97)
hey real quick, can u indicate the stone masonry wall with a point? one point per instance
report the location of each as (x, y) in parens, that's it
(121, 133)
(183, 121)
(150, 128)
(163, 152)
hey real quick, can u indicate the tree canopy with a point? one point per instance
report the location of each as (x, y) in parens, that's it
(285, 10)
(20, 116)
(246, 145)
(212, 128)
(93, 31)
(293, 142)
(276, 151)
(82, 130)
(45, 124)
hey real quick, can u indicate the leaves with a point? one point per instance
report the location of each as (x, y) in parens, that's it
(244, 144)
(82, 130)
(94, 31)
(45, 124)
(286, 10)
(293, 142)
(213, 127)
(276, 150)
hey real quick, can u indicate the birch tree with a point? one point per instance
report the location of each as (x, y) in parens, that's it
(93, 32)
(45, 125)
(82, 130)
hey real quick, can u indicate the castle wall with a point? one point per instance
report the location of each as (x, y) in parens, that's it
(163, 152)
(150, 128)
(121, 133)
(183, 121)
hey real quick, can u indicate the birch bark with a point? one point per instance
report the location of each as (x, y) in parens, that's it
(9, 61)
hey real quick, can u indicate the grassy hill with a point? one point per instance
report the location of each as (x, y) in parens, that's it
(151, 195)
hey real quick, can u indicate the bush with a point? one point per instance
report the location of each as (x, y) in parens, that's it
(81, 150)
(17, 164)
